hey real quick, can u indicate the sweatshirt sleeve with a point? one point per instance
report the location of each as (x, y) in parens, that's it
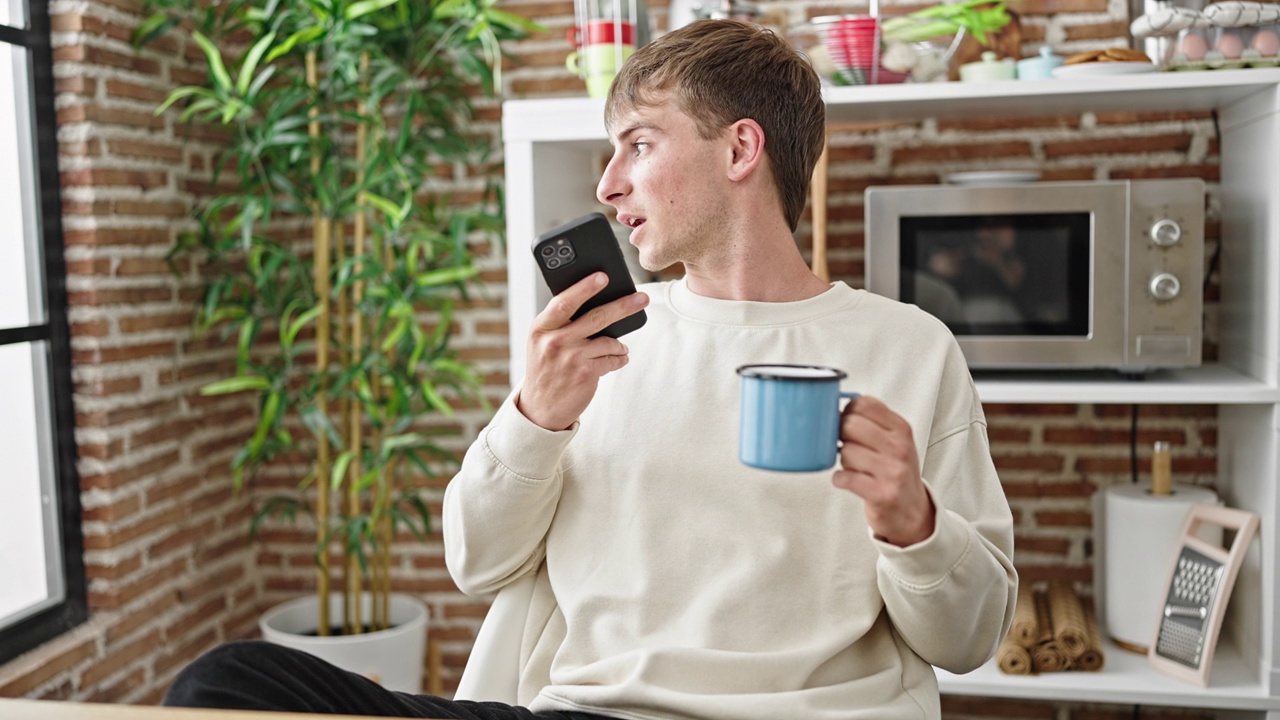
(951, 597)
(497, 509)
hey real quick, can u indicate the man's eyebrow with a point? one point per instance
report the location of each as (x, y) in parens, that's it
(633, 129)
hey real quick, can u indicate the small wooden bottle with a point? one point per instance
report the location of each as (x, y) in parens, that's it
(1161, 469)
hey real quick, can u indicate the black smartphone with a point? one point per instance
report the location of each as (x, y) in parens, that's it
(576, 249)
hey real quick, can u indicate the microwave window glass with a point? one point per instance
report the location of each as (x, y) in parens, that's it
(1023, 274)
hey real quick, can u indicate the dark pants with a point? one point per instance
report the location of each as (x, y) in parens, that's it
(256, 675)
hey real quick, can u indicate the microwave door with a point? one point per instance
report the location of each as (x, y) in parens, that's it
(1018, 289)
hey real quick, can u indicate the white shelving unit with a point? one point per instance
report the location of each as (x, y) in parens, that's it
(552, 150)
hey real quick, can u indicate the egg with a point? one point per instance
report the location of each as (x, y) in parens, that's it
(1193, 47)
(1230, 45)
(1266, 42)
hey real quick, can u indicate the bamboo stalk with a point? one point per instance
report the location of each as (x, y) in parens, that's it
(377, 569)
(376, 620)
(387, 522)
(357, 341)
(344, 325)
(435, 683)
(320, 250)
(388, 536)
(819, 216)
(344, 402)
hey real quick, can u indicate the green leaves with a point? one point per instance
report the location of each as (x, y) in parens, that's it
(288, 338)
(511, 20)
(402, 74)
(978, 17)
(152, 28)
(445, 276)
(251, 60)
(218, 70)
(364, 7)
(266, 420)
(395, 213)
(235, 385)
(453, 9)
(301, 37)
(339, 474)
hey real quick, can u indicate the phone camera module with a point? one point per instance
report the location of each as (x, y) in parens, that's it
(557, 254)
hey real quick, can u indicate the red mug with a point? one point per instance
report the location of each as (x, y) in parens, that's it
(602, 32)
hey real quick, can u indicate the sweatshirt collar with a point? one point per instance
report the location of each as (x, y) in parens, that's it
(688, 304)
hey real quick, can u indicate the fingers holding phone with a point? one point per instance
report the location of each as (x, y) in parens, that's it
(575, 306)
(574, 339)
(572, 252)
(568, 356)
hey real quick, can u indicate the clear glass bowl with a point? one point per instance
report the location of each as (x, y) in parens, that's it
(861, 50)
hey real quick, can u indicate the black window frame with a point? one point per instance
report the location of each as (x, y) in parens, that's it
(33, 631)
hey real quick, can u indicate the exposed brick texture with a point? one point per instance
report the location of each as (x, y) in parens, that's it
(171, 572)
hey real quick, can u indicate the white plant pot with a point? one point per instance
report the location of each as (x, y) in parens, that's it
(394, 657)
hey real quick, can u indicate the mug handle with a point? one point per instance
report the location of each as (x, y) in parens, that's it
(574, 62)
(851, 395)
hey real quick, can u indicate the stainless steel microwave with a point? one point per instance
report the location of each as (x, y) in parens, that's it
(1101, 274)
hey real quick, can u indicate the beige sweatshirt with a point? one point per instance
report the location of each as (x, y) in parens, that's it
(679, 583)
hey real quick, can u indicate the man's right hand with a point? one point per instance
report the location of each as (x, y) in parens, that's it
(565, 363)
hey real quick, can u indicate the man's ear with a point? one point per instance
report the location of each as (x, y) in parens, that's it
(746, 141)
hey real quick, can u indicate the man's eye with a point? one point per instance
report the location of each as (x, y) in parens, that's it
(640, 147)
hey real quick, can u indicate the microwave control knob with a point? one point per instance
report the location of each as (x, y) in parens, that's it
(1166, 232)
(1165, 287)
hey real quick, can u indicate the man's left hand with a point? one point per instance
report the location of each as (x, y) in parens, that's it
(880, 465)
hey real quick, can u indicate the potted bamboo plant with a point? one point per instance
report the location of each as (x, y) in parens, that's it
(334, 265)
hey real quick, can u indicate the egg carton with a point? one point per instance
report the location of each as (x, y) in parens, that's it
(1224, 35)
(1219, 48)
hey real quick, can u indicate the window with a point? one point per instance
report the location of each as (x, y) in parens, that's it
(42, 587)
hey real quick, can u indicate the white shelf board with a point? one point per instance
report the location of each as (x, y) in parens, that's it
(1126, 678)
(1151, 92)
(1207, 385)
(554, 120)
(581, 119)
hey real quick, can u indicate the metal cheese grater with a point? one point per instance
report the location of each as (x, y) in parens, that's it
(1186, 608)
(1201, 577)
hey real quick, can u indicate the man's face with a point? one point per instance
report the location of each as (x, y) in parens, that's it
(667, 184)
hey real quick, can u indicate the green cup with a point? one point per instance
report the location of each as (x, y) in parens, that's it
(598, 64)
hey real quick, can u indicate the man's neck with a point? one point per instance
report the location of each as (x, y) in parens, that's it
(773, 271)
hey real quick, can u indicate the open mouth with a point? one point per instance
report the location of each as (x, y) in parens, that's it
(631, 221)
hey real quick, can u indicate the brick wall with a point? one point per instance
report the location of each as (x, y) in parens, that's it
(171, 572)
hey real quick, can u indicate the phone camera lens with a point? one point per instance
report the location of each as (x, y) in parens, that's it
(548, 251)
(565, 252)
(553, 263)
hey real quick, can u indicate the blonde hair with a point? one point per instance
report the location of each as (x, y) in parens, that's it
(722, 71)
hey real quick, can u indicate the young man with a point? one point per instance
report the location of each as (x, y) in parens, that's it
(684, 584)
(671, 580)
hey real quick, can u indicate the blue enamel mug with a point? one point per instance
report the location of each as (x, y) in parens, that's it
(790, 417)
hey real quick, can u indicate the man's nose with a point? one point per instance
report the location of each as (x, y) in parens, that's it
(611, 186)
